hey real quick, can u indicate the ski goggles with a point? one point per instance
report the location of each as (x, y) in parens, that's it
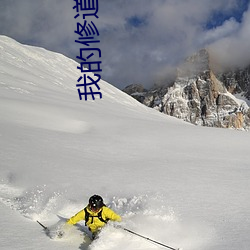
(94, 208)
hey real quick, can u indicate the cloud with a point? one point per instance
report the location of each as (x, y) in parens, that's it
(37, 22)
(228, 28)
(171, 31)
(141, 40)
(233, 49)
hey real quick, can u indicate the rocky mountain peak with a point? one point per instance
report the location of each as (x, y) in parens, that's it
(194, 65)
(202, 97)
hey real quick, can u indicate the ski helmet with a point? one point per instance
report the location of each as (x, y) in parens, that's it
(95, 202)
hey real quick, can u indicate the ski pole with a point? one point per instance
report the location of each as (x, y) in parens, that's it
(146, 238)
(45, 228)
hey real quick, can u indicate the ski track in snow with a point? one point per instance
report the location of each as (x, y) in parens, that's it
(145, 214)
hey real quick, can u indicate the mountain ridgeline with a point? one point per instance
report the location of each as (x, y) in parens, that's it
(201, 94)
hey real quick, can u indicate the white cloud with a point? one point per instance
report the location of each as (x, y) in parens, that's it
(228, 28)
(170, 31)
(174, 30)
(233, 50)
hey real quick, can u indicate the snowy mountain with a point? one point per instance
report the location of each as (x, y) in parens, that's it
(201, 95)
(182, 185)
(237, 81)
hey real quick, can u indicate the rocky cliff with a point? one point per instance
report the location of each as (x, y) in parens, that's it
(200, 96)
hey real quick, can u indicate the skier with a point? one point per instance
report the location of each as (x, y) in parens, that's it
(95, 214)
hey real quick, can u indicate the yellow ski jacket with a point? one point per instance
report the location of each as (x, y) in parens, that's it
(94, 223)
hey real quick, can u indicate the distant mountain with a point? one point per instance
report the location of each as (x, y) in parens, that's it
(237, 81)
(201, 95)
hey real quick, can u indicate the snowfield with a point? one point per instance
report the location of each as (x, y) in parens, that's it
(182, 185)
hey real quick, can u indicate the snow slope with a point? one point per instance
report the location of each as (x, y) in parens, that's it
(176, 183)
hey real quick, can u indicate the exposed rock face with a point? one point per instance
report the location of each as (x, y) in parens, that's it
(237, 81)
(199, 97)
(137, 91)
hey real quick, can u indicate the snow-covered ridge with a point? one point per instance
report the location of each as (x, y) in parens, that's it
(39, 74)
(37, 68)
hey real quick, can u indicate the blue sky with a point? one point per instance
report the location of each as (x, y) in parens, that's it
(218, 17)
(142, 41)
